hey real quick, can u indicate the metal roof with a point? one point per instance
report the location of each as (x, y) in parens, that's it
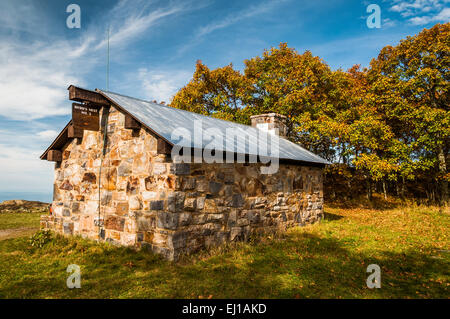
(163, 120)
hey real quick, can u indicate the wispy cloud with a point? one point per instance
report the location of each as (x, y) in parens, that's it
(137, 22)
(21, 170)
(443, 16)
(161, 85)
(20, 167)
(231, 19)
(47, 135)
(19, 16)
(420, 12)
(35, 74)
(32, 84)
(36, 67)
(388, 23)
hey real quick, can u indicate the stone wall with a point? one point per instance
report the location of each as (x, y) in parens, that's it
(147, 201)
(271, 122)
(216, 203)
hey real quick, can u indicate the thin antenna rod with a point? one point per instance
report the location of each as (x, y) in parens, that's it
(107, 65)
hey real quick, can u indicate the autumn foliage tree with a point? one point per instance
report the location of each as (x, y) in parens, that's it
(222, 93)
(388, 123)
(409, 88)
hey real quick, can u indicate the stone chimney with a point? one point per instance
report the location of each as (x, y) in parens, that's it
(272, 122)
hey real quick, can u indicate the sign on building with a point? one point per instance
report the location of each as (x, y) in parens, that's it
(86, 117)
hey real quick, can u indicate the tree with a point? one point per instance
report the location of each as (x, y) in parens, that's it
(388, 123)
(222, 93)
(295, 85)
(410, 88)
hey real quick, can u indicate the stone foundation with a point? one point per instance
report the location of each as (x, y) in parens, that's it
(146, 201)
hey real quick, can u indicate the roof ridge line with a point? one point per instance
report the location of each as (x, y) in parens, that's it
(312, 157)
(130, 97)
(174, 108)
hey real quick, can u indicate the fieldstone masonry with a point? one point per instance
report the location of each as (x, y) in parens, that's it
(146, 201)
(272, 122)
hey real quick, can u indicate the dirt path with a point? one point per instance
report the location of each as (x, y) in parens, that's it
(17, 232)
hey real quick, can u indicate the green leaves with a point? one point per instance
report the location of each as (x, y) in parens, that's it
(223, 93)
(410, 84)
(41, 238)
(388, 121)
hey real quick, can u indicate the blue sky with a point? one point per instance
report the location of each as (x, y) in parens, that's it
(154, 46)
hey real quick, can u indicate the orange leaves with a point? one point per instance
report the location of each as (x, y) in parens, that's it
(222, 92)
(388, 121)
(377, 166)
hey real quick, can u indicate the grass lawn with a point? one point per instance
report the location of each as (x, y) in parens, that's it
(326, 260)
(20, 214)
(10, 220)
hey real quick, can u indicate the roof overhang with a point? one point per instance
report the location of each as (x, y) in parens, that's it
(59, 141)
(101, 98)
(94, 97)
(123, 110)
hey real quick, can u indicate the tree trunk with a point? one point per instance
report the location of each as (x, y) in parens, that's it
(443, 172)
(349, 186)
(384, 190)
(397, 189)
(403, 188)
(369, 189)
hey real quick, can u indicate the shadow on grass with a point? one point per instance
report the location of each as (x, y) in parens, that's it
(377, 202)
(331, 217)
(302, 265)
(314, 267)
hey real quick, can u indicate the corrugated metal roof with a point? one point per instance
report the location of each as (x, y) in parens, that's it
(165, 119)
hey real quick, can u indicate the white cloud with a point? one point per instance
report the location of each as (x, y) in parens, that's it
(161, 85)
(137, 23)
(35, 135)
(47, 134)
(229, 20)
(420, 12)
(247, 13)
(443, 16)
(35, 74)
(387, 23)
(415, 5)
(36, 67)
(21, 169)
(33, 85)
(35, 70)
(19, 16)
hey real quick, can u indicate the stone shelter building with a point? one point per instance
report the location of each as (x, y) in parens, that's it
(116, 178)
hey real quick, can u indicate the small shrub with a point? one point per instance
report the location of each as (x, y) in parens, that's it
(254, 238)
(41, 238)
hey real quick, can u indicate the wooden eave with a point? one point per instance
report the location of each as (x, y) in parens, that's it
(83, 95)
(124, 111)
(97, 97)
(59, 141)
